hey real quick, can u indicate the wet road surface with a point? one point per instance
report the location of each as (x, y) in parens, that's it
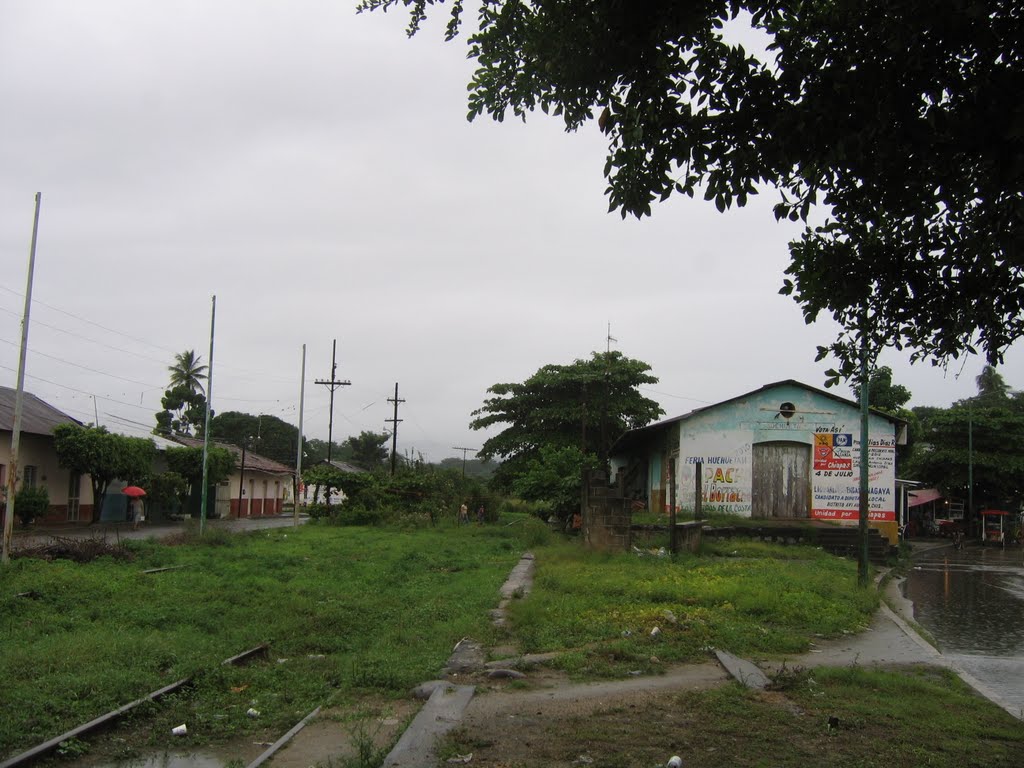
(972, 603)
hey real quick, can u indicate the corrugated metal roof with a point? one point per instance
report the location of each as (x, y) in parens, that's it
(37, 416)
(344, 466)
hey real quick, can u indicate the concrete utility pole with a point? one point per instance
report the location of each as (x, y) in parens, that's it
(464, 452)
(206, 427)
(333, 384)
(298, 458)
(394, 428)
(19, 396)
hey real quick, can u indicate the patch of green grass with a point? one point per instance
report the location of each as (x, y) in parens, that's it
(344, 610)
(770, 601)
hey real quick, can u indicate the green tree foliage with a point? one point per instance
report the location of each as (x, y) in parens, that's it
(903, 117)
(553, 477)
(266, 435)
(367, 450)
(187, 372)
(883, 395)
(168, 490)
(323, 478)
(991, 385)
(478, 468)
(184, 412)
(587, 404)
(316, 452)
(188, 463)
(104, 457)
(184, 401)
(995, 425)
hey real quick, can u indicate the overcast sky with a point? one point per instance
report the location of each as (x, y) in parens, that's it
(315, 171)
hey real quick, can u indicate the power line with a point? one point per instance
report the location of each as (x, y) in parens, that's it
(87, 368)
(90, 340)
(90, 322)
(261, 374)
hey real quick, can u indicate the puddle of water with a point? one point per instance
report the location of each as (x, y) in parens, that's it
(972, 602)
(175, 760)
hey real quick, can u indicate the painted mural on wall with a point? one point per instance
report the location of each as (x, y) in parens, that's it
(835, 480)
(721, 441)
(725, 460)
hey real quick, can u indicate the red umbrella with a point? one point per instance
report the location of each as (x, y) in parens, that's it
(133, 491)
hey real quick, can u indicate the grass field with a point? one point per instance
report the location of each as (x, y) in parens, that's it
(747, 597)
(344, 610)
(352, 613)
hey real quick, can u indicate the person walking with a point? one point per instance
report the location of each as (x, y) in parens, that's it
(138, 513)
(463, 515)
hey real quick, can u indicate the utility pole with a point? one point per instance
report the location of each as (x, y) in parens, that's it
(206, 422)
(298, 458)
(603, 453)
(394, 428)
(333, 384)
(464, 452)
(19, 396)
(865, 461)
(970, 462)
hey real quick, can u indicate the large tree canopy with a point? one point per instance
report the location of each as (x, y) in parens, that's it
(587, 405)
(103, 456)
(902, 117)
(980, 438)
(367, 450)
(266, 435)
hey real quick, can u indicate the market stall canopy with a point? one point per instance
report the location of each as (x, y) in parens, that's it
(923, 496)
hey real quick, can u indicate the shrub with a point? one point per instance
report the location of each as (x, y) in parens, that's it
(30, 503)
(316, 511)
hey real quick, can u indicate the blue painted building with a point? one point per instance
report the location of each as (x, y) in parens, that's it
(786, 450)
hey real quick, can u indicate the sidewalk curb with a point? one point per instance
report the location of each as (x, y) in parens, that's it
(942, 661)
(442, 712)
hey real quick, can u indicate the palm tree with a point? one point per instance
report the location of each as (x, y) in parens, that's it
(991, 384)
(187, 372)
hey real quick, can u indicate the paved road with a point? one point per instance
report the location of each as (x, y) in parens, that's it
(123, 530)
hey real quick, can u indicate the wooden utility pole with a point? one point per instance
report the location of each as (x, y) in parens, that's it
(464, 452)
(673, 540)
(19, 397)
(333, 384)
(394, 428)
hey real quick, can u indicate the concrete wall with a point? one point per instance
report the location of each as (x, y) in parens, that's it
(37, 451)
(606, 515)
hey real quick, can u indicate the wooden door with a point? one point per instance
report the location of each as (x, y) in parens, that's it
(781, 486)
